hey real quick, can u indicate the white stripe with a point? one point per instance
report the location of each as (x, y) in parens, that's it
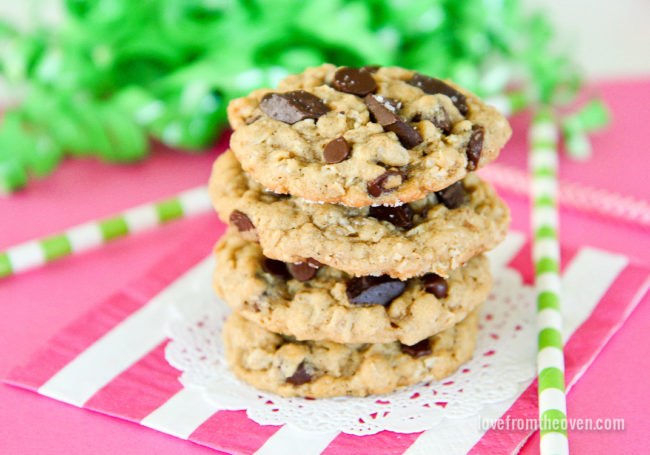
(118, 349)
(543, 160)
(467, 431)
(554, 443)
(550, 357)
(581, 295)
(501, 103)
(543, 131)
(544, 149)
(508, 249)
(546, 247)
(552, 399)
(141, 218)
(548, 281)
(182, 414)
(26, 256)
(85, 236)
(545, 216)
(549, 319)
(544, 186)
(586, 280)
(195, 200)
(290, 440)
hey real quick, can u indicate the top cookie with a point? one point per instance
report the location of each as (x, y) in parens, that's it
(359, 137)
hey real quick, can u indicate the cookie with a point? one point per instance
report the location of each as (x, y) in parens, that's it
(359, 137)
(318, 369)
(310, 301)
(436, 234)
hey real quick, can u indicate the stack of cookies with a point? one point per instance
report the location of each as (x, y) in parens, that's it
(354, 257)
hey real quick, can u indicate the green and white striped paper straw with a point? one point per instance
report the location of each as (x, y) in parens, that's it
(509, 103)
(35, 253)
(543, 163)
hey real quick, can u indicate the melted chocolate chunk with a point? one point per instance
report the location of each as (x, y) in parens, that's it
(475, 147)
(374, 290)
(241, 221)
(384, 113)
(408, 136)
(301, 376)
(370, 68)
(419, 349)
(431, 85)
(376, 187)
(291, 107)
(354, 81)
(304, 271)
(439, 118)
(336, 151)
(436, 285)
(453, 196)
(277, 268)
(401, 216)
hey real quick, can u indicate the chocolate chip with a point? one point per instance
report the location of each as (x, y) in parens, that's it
(370, 68)
(353, 80)
(374, 290)
(384, 114)
(431, 85)
(408, 136)
(277, 268)
(241, 221)
(336, 151)
(439, 118)
(419, 349)
(377, 186)
(381, 111)
(314, 263)
(303, 271)
(401, 216)
(301, 376)
(277, 195)
(475, 146)
(393, 104)
(436, 285)
(291, 107)
(452, 196)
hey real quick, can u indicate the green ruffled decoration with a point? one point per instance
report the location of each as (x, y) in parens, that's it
(119, 72)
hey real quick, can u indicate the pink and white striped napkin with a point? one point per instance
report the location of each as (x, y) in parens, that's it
(111, 361)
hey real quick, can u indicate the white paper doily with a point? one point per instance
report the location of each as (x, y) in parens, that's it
(504, 357)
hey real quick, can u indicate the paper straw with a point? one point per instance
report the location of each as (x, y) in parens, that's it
(38, 252)
(543, 163)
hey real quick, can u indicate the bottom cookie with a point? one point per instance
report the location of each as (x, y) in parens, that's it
(319, 369)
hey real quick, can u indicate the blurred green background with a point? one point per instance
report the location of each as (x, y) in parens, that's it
(105, 78)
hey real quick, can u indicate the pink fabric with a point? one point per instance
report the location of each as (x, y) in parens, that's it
(38, 304)
(120, 399)
(218, 432)
(387, 442)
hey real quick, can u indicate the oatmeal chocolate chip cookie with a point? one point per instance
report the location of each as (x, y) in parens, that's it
(311, 301)
(280, 364)
(435, 234)
(361, 137)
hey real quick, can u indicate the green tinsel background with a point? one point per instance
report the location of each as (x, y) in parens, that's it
(117, 73)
